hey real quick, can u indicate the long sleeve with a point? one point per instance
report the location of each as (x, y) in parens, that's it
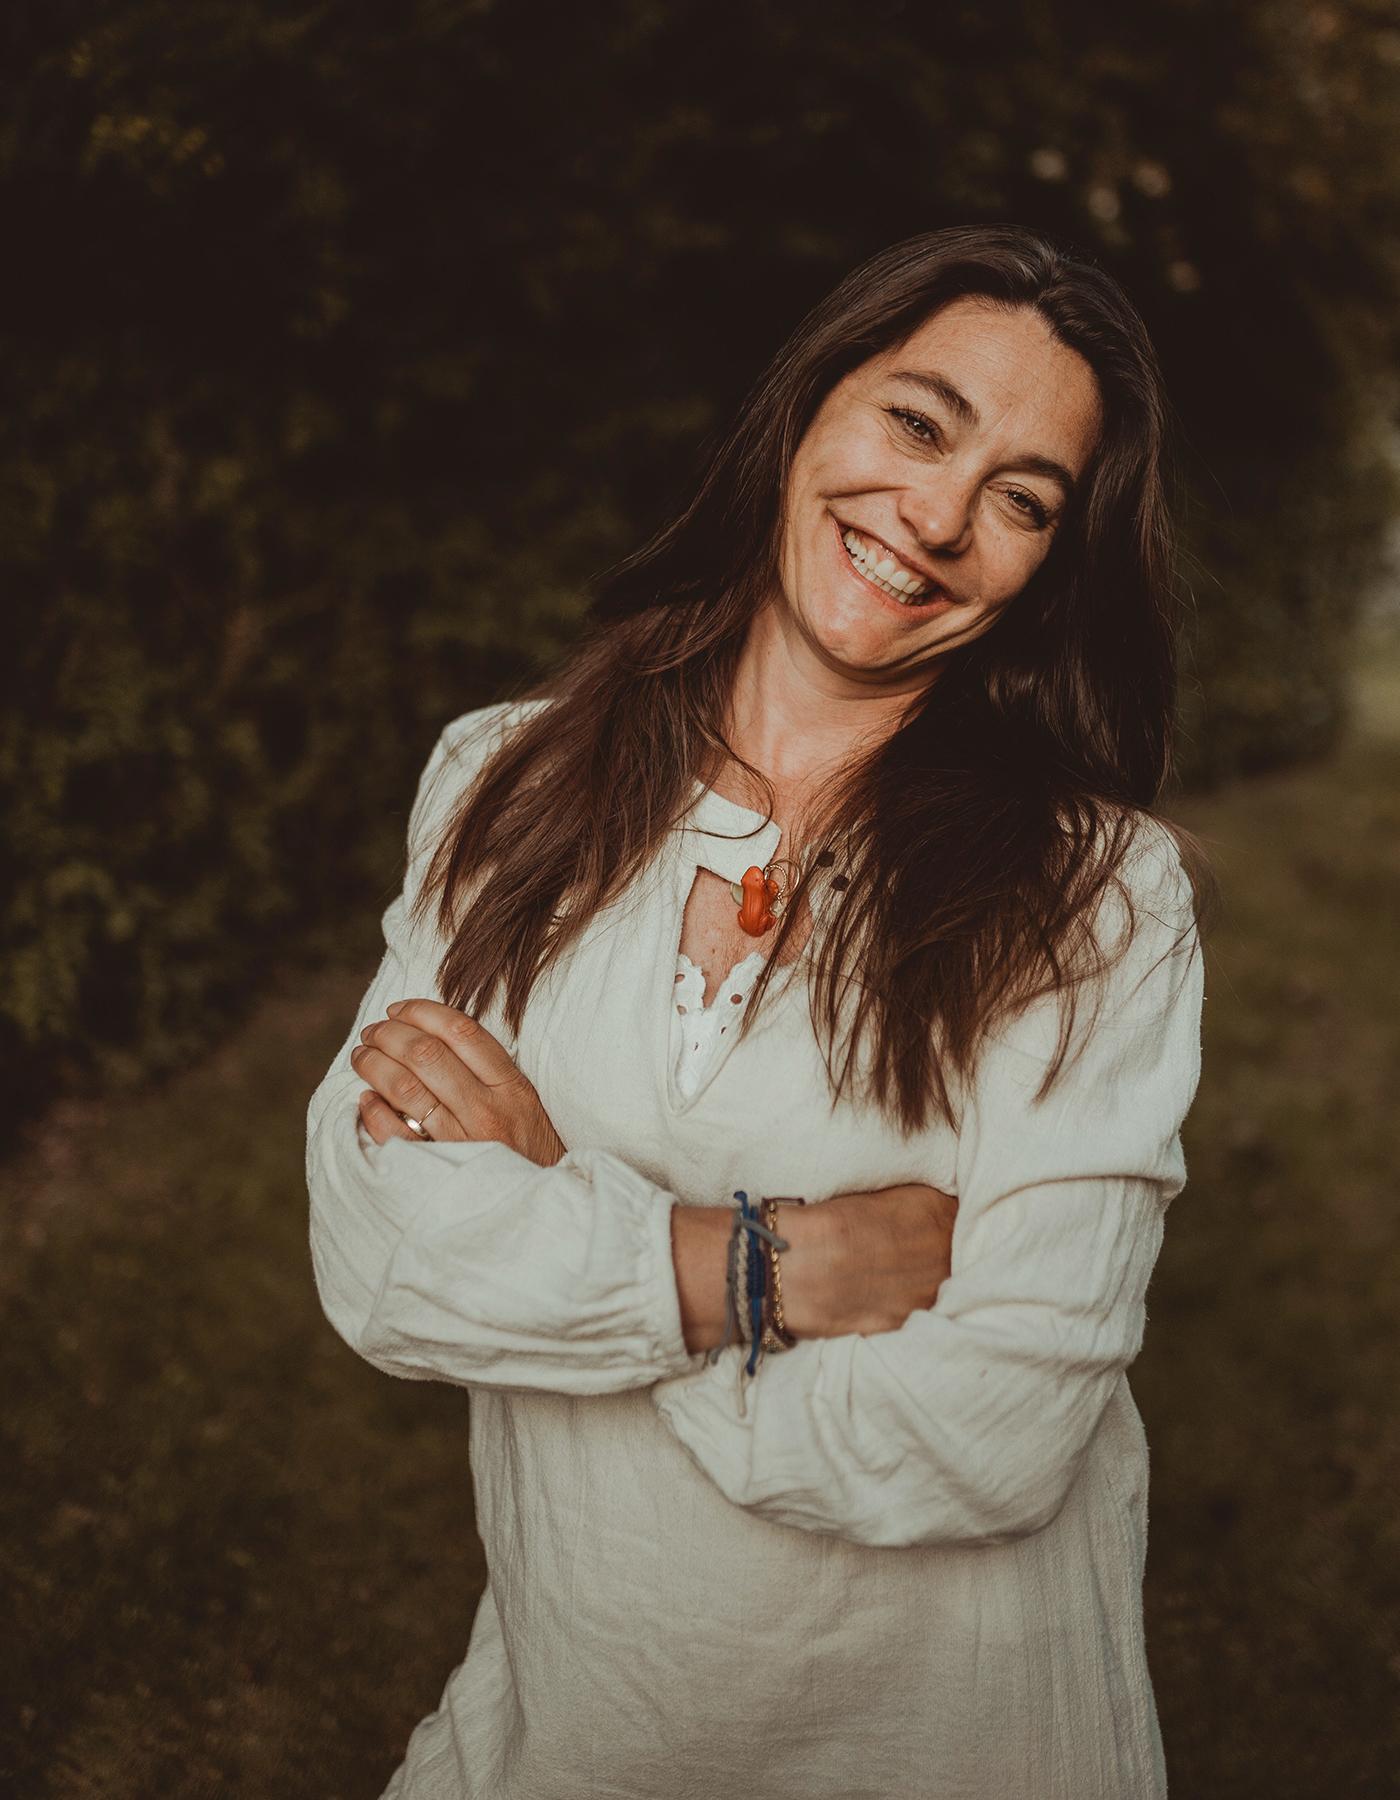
(467, 1262)
(970, 1422)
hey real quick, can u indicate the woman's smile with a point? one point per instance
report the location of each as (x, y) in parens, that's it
(861, 567)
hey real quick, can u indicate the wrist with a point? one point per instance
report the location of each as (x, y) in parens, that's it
(699, 1250)
(813, 1296)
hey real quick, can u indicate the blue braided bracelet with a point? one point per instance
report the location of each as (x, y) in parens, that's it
(744, 1248)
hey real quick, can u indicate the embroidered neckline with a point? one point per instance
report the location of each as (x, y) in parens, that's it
(739, 980)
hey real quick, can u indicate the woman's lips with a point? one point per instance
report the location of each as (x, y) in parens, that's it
(938, 600)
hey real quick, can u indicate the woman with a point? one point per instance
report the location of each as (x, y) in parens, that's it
(907, 664)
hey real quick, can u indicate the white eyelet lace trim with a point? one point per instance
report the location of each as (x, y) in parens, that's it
(697, 1030)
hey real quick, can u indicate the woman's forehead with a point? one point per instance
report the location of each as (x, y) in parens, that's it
(994, 369)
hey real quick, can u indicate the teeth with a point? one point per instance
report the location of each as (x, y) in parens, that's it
(881, 568)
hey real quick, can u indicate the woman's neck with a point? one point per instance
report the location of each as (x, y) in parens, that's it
(797, 721)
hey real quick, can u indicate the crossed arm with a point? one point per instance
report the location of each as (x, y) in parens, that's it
(435, 1064)
(469, 1261)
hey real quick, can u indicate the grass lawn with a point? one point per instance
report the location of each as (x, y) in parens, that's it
(239, 1561)
(1269, 1375)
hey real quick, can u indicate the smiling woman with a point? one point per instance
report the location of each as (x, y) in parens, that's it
(947, 510)
(916, 630)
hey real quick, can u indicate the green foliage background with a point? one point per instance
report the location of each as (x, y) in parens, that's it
(344, 343)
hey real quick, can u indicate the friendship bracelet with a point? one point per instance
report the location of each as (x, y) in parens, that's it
(736, 1323)
(753, 1286)
(741, 1275)
(757, 1291)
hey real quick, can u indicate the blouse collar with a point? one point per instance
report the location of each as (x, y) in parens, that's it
(725, 837)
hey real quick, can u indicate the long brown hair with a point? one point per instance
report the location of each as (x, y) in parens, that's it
(979, 835)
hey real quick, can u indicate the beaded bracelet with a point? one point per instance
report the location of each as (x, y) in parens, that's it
(776, 1335)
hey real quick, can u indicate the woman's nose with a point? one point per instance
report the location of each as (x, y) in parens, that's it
(940, 515)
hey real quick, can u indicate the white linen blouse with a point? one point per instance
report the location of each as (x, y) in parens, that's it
(912, 1564)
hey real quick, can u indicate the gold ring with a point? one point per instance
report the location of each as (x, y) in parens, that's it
(416, 1125)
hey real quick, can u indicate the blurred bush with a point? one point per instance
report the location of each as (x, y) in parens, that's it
(344, 344)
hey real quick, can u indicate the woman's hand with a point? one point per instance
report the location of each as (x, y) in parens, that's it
(429, 1057)
(872, 1259)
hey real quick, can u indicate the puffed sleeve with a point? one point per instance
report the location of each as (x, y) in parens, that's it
(970, 1422)
(467, 1262)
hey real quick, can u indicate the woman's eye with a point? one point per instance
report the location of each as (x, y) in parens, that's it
(923, 429)
(915, 424)
(1032, 508)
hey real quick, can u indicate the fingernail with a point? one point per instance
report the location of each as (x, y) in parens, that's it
(396, 1007)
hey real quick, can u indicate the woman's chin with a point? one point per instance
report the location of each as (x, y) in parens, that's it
(861, 635)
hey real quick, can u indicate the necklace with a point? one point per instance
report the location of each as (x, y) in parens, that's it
(760, 896)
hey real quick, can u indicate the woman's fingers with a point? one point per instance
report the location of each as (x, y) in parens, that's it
(415, 1074)
(379, 1118)
(469, 1040)
(428, 1055)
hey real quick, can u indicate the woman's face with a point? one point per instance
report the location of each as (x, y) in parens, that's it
(940, 469)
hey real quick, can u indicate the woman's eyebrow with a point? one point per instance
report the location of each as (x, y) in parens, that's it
(962, 409)
(942, 389)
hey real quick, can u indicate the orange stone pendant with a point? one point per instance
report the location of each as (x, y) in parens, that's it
(760, 901)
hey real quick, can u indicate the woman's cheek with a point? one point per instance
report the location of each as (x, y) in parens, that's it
(1016, 563)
